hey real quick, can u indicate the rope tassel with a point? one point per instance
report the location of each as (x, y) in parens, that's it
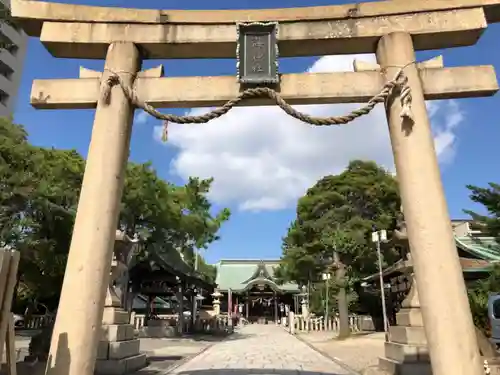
(405, 97)
(164, 131)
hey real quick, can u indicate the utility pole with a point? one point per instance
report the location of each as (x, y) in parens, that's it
(195, 300)
(377, 237)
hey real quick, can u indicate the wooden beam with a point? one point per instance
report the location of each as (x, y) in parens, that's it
(429, 30)
(31, 14)
(305, 88)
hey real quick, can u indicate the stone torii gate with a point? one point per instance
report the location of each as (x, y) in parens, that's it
(391, 29)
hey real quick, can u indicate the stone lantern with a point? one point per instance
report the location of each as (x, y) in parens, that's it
(216, 301)
(304, 303)
(119, 353)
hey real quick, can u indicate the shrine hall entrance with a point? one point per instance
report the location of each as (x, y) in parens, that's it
(251, 291)
(264, 305)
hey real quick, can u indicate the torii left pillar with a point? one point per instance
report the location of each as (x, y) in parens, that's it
(78, 324)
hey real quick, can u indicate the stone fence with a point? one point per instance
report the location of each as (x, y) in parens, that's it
(219, 323)
(357, 323)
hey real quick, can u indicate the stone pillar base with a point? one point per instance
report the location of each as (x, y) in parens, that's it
(118, 352)
(407, 352)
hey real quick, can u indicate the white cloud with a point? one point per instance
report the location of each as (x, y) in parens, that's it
(262, 159)
(141, 117)
(450, 117)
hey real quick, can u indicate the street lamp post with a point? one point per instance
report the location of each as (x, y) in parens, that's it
(326, 278)
(378, 237)
(196, 296)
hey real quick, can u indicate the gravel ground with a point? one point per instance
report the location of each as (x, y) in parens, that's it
(163, 354)
(358, 352)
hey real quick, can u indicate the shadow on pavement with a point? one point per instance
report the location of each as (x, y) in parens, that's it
(219, 338)
(253, 371)
(162, 358)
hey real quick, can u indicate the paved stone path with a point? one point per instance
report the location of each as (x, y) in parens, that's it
(260, 349)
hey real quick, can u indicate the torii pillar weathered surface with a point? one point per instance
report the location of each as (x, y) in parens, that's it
(437, 268)
(73, 348)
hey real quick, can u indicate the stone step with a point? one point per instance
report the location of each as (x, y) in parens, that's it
(120, 366)
(409, 317)
(118, 349)
(408, 335)
(117, 332)
(114, 315)
(396, 368)
(406, 353)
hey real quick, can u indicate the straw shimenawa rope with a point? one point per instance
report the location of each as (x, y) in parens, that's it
(400, 81)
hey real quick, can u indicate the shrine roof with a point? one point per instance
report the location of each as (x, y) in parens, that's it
(486, 248)
(241, 274)
(170, 260)
(469, 266)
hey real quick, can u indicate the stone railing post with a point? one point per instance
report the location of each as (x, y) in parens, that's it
(291, 322)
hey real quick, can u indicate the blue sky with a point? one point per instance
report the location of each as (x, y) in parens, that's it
(263, 161)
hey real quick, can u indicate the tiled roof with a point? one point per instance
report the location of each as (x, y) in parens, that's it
(483, 247)
(236, 274)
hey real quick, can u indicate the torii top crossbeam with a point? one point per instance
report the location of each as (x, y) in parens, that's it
(33, 13)
(80, 31)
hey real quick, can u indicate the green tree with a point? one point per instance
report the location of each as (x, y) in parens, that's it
(39, 189)
(333, 226)
(38, 196)
(173, 217)
(480, 290)
(490, 198)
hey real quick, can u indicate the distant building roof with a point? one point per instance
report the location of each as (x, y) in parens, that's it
(484, 248)
(242, 274)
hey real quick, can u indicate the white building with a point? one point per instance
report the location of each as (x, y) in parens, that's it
(11, 65)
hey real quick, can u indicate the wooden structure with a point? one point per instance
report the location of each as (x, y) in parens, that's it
(163, 273)
(9, 261)
(394, 30)
(249, 289)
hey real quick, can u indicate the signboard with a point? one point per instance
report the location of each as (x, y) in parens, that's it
(257, 53)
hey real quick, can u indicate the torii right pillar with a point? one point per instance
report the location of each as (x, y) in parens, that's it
(445, 308)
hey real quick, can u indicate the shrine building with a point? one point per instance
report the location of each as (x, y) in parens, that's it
(477, 252)
(250, 290)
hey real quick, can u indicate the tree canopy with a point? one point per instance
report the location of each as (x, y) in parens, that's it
(39, 189)
(332, 229)
(338, 213)
(489, 197)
